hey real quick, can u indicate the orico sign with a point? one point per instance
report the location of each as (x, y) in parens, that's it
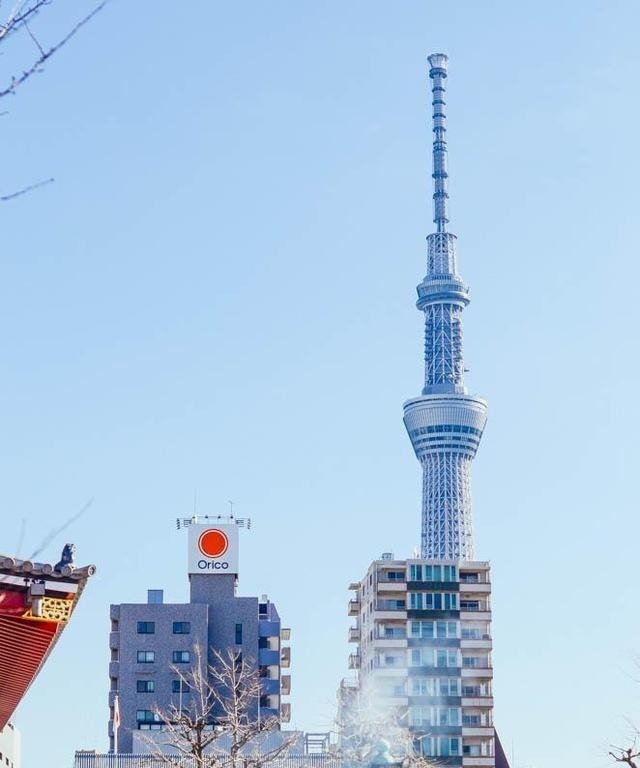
(213, 549)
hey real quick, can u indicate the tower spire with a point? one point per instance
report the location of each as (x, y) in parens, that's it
(438, 74)
(445, 423)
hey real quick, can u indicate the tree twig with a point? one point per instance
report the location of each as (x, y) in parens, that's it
(45, 55)
(24, 191)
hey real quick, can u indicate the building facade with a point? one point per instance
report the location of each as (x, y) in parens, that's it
(423, 626)
(10, 746)
(151, 641)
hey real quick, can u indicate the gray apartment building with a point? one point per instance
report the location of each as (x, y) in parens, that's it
(149, 641)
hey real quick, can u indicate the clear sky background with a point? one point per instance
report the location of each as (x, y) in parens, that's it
(216, 297)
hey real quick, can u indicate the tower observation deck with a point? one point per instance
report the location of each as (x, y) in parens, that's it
(444, 423)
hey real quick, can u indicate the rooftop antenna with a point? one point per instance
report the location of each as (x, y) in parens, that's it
(56, 531)
(231, 508)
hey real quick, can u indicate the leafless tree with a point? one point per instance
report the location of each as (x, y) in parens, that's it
(628, 756)
(216, 722)
(19, 20)
(367, 729)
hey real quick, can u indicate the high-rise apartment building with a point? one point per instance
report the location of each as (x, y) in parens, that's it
(150, 641)
(423, 625)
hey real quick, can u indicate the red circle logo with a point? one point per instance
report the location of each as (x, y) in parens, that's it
(213, 542)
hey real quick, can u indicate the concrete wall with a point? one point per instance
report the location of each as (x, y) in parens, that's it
(10, 747)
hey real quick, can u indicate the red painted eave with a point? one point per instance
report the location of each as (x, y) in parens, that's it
(24, 645)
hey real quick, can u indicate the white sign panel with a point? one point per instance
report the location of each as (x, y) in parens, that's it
(213, 549)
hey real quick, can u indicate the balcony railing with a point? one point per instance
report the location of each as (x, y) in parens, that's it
(476, 691)
(354, 634)
(354, 661)
(481, 662)
(476, 721)
(391, 605)
(354, 607)
(474, 605)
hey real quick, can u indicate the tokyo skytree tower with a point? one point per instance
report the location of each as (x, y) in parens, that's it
(445, 423)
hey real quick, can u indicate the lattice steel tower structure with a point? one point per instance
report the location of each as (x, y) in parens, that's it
(445, 423)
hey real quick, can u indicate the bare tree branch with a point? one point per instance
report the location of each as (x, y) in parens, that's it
(45, 55)
(216, 720)
(19, 15)
(365, 727)
(24, 190)
(627, 756)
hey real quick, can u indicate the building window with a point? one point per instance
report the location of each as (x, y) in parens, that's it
(449, 686)
(394, 575)
(179, 686)
(146, 657)
(434, 601)
(437, 629)
(146, 627)
(181, 627)
(180, 657)
(238, 634)
(432, 573)
(147, 716)
(434, 657)
(145, 686)
(262, 609)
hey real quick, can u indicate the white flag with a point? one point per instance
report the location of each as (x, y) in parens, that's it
(116, 722)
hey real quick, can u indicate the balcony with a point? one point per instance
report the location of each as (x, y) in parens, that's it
(474, 606)
(354, 586)
(285, 657)
(285, 685)
(476, 662)
(114, 640)
(476, 691)
(476, 645)
(481, 731)
(354, 607)
(285, 712)
(268, 657)
(391, 609)
(354, 634)
(476, 721)
(391, 633)
(477, 672)
(269, 686)
(285, 633)
(354, 661)
(467, 587)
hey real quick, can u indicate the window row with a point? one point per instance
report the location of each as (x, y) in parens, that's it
(435, 629)
(432, 573)
(444, 746)
(431, 716)
(177, 657)
(149, 686)
(439, 428)
(149, 627)
(434, 657)
(433, 601)
(440, 746)
(435, 686)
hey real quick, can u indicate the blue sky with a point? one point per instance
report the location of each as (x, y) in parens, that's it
(216, 297)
